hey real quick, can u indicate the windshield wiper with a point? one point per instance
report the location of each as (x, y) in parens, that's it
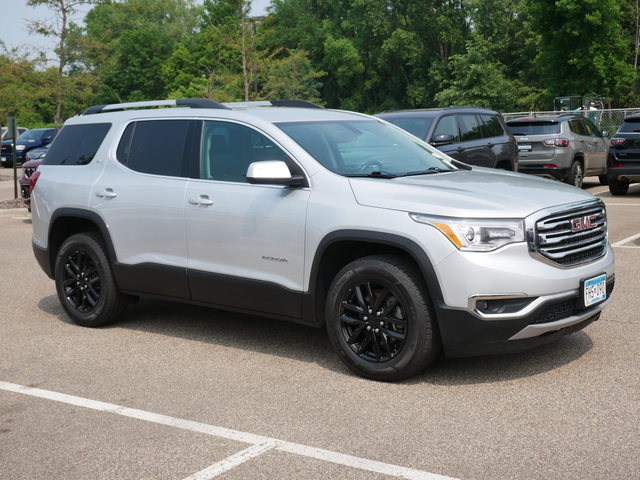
(428, 171)
(374, 174)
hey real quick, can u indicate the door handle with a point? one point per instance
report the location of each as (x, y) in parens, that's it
(202, 200)
(460, 149)
(107, 193)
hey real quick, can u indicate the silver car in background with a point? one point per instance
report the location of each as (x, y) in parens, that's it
(565, 147)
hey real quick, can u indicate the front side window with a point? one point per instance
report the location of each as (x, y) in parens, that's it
(229, 148)
(578, 127)
(447, 126)
(159, 147)
(76, 144)
(365, 148)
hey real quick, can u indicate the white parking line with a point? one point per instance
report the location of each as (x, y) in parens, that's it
(260, 443)
(621, 243)
(232, 461)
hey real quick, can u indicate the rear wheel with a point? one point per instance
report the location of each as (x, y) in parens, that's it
(617, 187)
(379, 318)
(576, 174)
(85, 283)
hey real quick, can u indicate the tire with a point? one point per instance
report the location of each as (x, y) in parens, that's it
(85, 283)
(576, 174)
(616, 187)
(604, 180)
(404, 328)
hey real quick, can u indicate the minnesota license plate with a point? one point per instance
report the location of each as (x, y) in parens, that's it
(595, 290)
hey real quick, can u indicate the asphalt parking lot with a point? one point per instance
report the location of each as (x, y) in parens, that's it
(181, 392)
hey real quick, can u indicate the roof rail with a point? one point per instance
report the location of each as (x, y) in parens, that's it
(188, 102)
(274, 103)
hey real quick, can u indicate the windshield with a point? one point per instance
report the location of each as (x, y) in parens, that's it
(32, 135)
(365, 147)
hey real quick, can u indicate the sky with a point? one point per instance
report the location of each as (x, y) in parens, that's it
(16, 16)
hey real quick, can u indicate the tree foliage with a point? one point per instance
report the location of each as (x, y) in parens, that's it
(364, 55)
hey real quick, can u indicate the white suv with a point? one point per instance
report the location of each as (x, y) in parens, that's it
(317, 216)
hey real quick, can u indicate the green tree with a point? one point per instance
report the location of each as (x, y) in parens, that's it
(130, 41)
(63, 88)
(582, 47)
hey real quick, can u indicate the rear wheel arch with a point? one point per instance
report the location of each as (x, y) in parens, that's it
(70, 221)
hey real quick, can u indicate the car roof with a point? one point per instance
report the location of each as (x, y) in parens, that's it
(269, 111)
(433, 112)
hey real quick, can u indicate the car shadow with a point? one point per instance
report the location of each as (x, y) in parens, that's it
(302, 343)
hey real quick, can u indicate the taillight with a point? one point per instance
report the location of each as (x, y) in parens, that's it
(556, 142)
(616, 142)
(33, 180)
(617, 165)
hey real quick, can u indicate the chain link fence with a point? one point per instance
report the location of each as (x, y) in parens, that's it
(609, 120)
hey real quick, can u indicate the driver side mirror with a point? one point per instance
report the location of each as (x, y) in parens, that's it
(273, 172)
(442, 139)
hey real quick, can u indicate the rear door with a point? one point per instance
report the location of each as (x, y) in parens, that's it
(478, 150)
(141, 198)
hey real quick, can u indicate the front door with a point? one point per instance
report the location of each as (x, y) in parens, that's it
(245, 242)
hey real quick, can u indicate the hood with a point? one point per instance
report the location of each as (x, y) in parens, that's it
(477, 193)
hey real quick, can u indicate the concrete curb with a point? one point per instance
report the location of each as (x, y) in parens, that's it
(15, 212)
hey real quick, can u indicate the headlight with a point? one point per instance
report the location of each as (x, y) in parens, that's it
(20, 147)
(476, 235)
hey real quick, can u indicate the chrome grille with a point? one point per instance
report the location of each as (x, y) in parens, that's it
(558, 242)
(28, 171)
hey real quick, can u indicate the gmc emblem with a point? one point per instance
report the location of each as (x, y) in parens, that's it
(583, 223)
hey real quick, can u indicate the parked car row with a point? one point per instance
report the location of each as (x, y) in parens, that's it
(27, 141)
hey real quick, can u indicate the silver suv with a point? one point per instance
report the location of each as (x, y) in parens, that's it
(322, 217)
(564, 147)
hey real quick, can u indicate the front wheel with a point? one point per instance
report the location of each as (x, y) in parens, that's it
(379, 318)
(85, 283)
(576, 174)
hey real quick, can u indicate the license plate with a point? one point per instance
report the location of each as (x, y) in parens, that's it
(594, 290)
(524, 148)
(4, 159)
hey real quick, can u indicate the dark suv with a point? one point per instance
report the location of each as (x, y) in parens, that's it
(29, 140)
(623, 159)
(476, 136)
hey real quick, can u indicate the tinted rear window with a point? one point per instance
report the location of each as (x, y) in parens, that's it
(630, 126)
(76, 144)
(534, 128)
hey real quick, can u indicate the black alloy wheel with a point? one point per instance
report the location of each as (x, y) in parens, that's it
(379, 318)
(373, 321)
(85, 283)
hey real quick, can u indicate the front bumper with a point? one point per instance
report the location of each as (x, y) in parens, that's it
(465, 334)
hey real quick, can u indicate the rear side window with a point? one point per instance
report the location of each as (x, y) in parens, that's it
(76, 144)
(534, 128)
(158, 147)
(491, 126)
(469, 128)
